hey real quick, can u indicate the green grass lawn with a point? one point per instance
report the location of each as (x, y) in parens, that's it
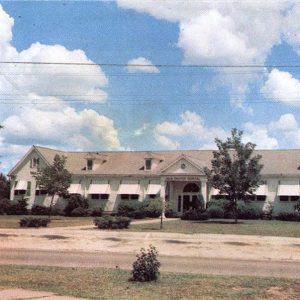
(244, 227)
(56, 221)
(100, 283)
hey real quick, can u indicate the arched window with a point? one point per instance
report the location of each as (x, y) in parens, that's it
(191, 188)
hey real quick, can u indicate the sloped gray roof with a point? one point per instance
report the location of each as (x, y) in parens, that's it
(276, 162)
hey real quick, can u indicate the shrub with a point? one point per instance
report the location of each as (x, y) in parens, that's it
(5, 205)
(132, 209)
(40, 210)
(248, 211)
(96, 212)
(194, 214)
(75, 201)
(34, 222)
(112, 222)
(153, 207)
(169, 213)
(288, 216)
(215, 212)
(79, 212)
(18, 208)
(146, 267)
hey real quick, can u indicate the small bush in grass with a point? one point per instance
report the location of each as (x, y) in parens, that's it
(34, 222)
(132, 209)
(79, 212)
(153, 207)
(112, 222)
(194, 214)
(288, 216)
(146, 267)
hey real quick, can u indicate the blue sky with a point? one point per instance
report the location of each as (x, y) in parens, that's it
(155, 107)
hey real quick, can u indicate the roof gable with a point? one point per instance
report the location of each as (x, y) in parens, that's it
(183, 165)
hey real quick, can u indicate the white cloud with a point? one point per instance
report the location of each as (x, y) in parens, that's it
(42, 97)
(282, 86)
(287, 128)
(259, 135)
(169, 134)
(142, 130)
(141, 65)
(220, 33)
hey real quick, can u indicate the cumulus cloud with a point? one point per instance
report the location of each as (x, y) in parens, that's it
(142, 130)
(141, 65)
(219, 33)
(282, 86)
(169, 134)
(42, 97)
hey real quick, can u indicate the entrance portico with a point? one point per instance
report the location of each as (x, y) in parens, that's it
(183, 192)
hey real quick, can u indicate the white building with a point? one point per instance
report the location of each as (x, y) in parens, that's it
(106, 178)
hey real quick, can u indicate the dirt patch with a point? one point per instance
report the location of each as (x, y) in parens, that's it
(6, 235)
(296, 245)
(177, 242)
(278, 293)
(113, 239)
(237, 243)
(54, 237)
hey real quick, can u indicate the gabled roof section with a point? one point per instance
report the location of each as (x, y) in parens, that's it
(32, 149)
(193, 161)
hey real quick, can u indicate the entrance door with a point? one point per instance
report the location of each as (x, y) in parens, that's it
(190, 201)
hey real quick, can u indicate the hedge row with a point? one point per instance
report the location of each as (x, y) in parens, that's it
(34, 222)
(112, 222)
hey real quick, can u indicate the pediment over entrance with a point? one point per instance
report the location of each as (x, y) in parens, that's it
(183, 165)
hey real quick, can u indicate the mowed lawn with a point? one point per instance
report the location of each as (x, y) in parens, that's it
(56, 221)
(98, 283)
(244, 227)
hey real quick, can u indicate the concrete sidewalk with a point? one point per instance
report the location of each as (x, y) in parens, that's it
(14, 294)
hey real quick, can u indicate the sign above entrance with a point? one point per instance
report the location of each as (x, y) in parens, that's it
(183, 178)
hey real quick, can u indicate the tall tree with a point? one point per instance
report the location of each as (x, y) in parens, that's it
(4, 187)
(235, 171)
(55, 179)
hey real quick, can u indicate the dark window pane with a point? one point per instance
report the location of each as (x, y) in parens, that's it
(152, 196)
(95, 196)
(294, 198)
(124, 196)
(260, 198)
(134, 197)
(191, 188)
(104, 196)
(179, 204)
(284, 198)
(148, 164)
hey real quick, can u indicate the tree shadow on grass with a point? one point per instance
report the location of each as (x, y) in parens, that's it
(217, 221)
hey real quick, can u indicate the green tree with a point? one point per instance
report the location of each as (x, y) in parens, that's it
(55, 179)
(4, 187)
(235, 171)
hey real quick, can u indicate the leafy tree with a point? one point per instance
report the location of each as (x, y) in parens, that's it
(4, 187)
(55, 179)
(235, 171)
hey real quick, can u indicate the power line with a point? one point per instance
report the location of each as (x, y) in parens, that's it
(148, 65)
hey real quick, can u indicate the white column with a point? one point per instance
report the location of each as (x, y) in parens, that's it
(163, 194)
(204, 190)
(12, 189)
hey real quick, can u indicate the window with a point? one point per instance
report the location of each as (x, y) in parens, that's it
(19, 192)
(35, 162)
(288, 198)
(100, 196)
(28, 191)
(261, 198)
(152, 196)
(284, 198)
(129, 197)
(40, 192)
(90, 164)
(148, 163)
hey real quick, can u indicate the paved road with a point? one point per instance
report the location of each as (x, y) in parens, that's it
(193, 265)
